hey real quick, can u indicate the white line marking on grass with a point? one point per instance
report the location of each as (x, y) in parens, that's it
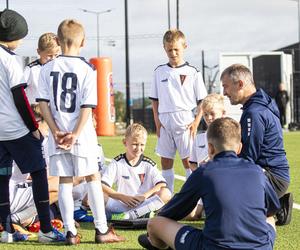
(296, 206)
(179, 177)
(182, 178)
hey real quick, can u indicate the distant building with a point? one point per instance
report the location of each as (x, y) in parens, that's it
(293, 49)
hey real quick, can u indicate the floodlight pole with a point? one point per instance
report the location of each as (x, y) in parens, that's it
(169, 15)
(298, 35)
(129, 118)
(97, 13)
(177, 14)
(7, 4)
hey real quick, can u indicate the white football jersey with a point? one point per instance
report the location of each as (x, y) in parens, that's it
(11, 76)
(132, 180)
(177, 89)
(69, 83)
(31, 76)
(200, 149)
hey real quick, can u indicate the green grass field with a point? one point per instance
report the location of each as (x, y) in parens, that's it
(287, 236)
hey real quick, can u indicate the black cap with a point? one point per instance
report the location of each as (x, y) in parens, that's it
(13, 26)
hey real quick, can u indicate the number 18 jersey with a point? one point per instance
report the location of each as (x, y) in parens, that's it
(69, 83)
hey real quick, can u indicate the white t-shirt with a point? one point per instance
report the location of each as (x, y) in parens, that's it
(132, 180)
(31, 76)
(177, 89)
(69, 83)
(11, 76)
(200, 149)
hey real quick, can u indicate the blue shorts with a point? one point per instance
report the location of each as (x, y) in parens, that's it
(188, 238)
(25, 151)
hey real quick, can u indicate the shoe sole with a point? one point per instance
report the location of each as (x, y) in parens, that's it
(290, 200)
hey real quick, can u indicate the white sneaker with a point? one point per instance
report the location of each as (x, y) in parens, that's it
(52, 236)
(13, 237)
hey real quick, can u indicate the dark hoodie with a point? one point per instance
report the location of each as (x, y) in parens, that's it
(262, 135)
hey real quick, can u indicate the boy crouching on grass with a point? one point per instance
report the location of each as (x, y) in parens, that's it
(212, 108)
(237, 199)
(140, 188)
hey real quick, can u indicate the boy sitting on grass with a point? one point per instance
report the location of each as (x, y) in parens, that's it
(236, 195)
(140, 188)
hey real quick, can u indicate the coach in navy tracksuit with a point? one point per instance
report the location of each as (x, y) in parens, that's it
(236, 195)
(261, 132)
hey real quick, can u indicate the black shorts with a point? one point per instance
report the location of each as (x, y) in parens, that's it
(280, 185)
(25, 151)
(188, 238)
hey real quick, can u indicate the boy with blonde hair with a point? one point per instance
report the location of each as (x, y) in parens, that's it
(236, 195)
(47, 50)
(67, 94)
(177, 90)
(140, 187)
(20, 139)
(212, 108)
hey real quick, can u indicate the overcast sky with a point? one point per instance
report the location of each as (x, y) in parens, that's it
(210, 25)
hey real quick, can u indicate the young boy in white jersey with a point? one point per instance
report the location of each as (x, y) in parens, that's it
(177, 90)
(140, 188)
(212, 108)
(67, 94)
(47, 50)
(20, 139)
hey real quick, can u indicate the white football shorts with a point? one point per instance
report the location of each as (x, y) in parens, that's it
(72, 165)
(174, 135)
(116, 206)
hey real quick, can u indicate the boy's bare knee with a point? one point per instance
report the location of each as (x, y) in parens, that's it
(151, 225)
(186, 163)
(92, 177)
(164, 194)
(65, 180)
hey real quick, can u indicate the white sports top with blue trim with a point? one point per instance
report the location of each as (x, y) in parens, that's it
(31, 76)
(69, 83)
(132, 180)
(200, 149)
(177, 89)
(11, 76)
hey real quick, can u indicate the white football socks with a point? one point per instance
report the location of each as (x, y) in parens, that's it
(66, 206)
(169, 176)
(96, 201)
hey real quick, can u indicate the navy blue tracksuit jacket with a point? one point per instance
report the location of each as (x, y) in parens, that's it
(262, 135)
(236, 197)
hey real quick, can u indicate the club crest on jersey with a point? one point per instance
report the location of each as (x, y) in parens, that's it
(142, 178)
(182, 78)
